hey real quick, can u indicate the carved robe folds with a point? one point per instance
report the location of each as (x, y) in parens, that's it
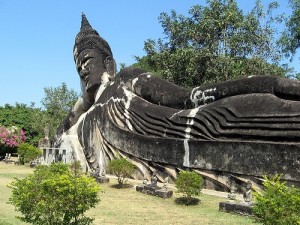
(249, 134)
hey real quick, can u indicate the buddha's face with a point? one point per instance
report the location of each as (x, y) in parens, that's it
(90, 67)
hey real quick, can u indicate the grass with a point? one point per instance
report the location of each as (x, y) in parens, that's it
(127, 206)
(7, 173)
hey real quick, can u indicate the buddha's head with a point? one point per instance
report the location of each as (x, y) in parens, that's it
(93, 58)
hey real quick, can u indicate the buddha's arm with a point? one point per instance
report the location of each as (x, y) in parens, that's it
(159, 91)
(280, 87)
(153, 88)
(162, 92)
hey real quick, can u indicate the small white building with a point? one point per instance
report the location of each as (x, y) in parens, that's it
(55, 155)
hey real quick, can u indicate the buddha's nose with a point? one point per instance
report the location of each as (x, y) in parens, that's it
(93, 82)
(84, 72)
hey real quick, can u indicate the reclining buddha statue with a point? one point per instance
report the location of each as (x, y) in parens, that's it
(234, 130)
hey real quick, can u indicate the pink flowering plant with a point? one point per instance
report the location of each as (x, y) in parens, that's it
(11, 136)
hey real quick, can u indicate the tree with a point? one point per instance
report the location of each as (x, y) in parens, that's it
(215, 43)
(277, 204)
(28, 152)
(122, 66)
(290, 39)
(54, 194)
(23, 117)
(58, 101)
(190, 184)
(122, 168)
(10, 138)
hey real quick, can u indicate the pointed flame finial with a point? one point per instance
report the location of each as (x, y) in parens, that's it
(88, 38)
(84, 22)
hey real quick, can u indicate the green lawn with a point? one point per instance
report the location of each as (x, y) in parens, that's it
(127, 206)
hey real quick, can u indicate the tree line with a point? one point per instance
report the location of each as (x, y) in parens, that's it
(218, 42)
(57, 102)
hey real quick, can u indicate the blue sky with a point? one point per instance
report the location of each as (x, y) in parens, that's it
(37, 38)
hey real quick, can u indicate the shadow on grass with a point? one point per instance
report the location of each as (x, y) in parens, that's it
(187, 201)
(121, 186)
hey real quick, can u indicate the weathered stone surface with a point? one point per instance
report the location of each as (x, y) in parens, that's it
(139, 188)
(102, 179)
(164, 193)
(156, 191)
(237, 208)
(242, 128)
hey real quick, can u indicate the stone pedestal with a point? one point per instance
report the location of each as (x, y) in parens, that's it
(164, 193)
(238, 208)
(102, 179)
(154, 190)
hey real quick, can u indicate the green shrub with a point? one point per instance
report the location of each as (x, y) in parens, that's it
(122, 168)
(277, 203)
(190, 184)
(28, 152)
(55, 194)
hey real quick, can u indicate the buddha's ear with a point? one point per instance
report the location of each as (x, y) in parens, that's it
(110, 65)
